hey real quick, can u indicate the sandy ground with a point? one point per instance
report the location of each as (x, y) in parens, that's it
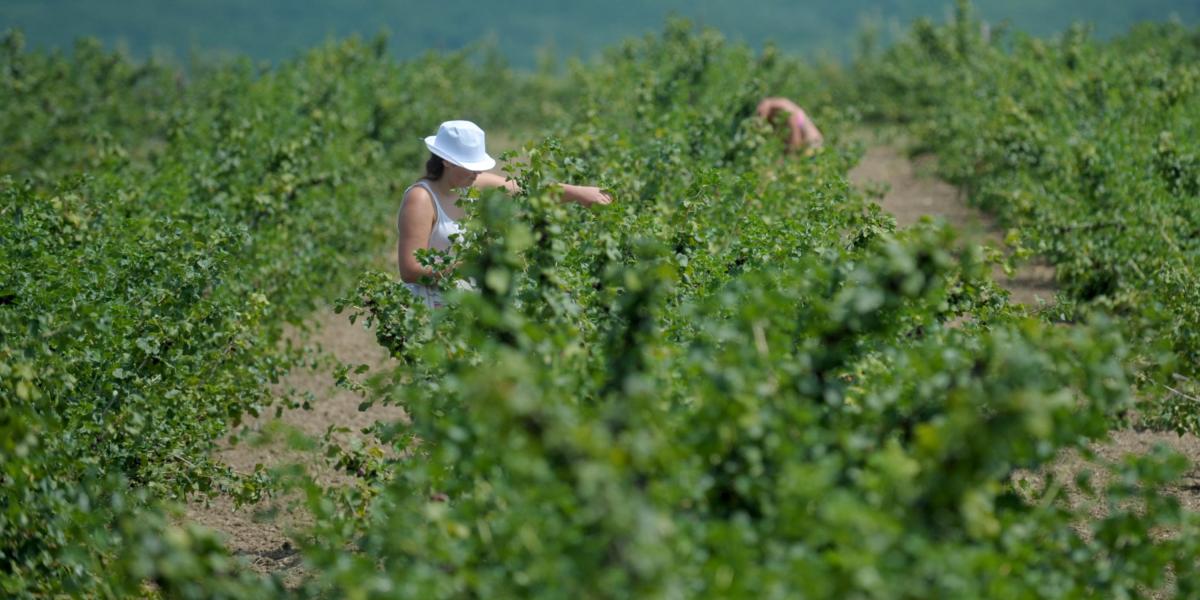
(913, 192)
(261, 534)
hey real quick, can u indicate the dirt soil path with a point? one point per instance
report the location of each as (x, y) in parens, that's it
(913, 192)
(260, 533)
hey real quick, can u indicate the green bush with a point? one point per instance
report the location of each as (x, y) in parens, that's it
(1087, 150)
(156, 233)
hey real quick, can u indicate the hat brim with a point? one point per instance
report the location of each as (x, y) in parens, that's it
(479, 165)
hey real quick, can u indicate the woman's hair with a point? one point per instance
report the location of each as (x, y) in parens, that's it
(434, 167)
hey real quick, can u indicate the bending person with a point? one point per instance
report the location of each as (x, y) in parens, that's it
(430, 214)
(802, 131)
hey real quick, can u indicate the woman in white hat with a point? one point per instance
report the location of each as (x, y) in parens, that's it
(429, 213)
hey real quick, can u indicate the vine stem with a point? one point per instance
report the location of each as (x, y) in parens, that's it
(1175, 391)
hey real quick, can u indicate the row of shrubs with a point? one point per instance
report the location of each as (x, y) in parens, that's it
(1089, 150)
(158, 229)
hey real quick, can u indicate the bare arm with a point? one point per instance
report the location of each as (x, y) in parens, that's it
(417, 216)
(487, 180)
(584, 195)
(774, 104)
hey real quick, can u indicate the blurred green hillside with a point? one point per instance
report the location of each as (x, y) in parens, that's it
(275, 29)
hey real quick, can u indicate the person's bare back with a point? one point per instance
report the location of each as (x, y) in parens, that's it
(802, 131)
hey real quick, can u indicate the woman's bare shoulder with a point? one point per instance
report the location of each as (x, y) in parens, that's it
(416, 206)
(417, 194)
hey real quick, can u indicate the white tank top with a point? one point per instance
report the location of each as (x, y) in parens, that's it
(439, 239)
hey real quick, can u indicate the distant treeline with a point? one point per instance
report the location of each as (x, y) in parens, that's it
(521, 29)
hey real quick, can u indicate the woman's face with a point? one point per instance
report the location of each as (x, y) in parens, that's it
(459, 177)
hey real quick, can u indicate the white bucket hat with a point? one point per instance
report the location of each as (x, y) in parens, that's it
(461, 143)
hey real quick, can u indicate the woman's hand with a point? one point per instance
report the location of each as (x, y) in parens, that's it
(586, 195)
(447, 272)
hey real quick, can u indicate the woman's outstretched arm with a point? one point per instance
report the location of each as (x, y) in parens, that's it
(584, 195)
(488, 180)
